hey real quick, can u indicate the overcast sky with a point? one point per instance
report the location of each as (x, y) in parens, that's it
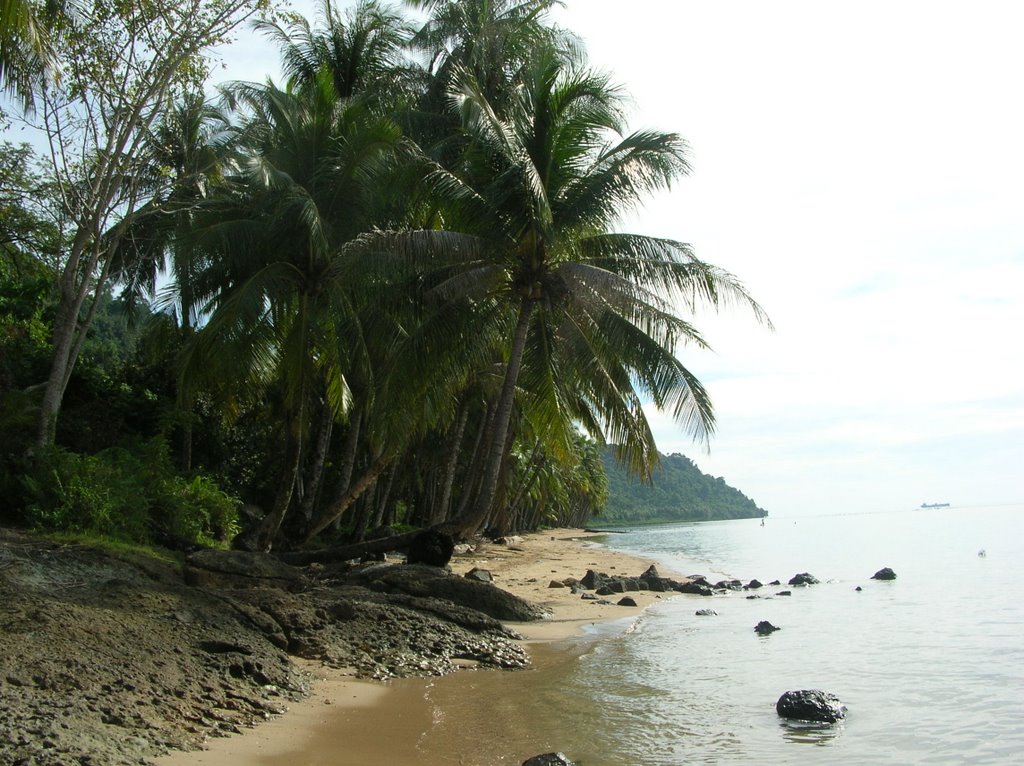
(860, 167)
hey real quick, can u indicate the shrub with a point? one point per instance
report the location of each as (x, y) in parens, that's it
(126, 494)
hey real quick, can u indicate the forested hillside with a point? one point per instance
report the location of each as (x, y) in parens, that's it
(679, 492)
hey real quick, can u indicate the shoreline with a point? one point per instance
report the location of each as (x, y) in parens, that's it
(375, 722)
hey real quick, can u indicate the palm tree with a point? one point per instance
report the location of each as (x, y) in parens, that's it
(26, 45)
(589, 315)
(283, 313)
(364, 50)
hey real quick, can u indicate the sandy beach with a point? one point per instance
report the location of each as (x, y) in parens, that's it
(451, 719)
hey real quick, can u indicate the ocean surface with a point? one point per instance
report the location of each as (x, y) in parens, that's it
(930, 665)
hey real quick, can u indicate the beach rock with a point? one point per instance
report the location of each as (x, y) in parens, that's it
(729, 585)
(698, 588)
(241, 569)
(706, 613)
(593, 580)
(697, 578)
(755, 584)
(556, 584)
(811, 705)
(480, 575)
(431, 547)
(627, 601)
(549, 759)
(884, 574)
(775, 582)
(804, 578)
(784, 593)
(651, 573)
(426, 581)
(858, 589)
(765, 628)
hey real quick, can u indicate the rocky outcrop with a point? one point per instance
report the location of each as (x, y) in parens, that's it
(431, 547)
(884, 574)
(811, 705)
(765, 628)
(548, 759)
(804, 578)
(424, 581)
(241, 569)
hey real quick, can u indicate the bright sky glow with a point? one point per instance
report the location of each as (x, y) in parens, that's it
(861, 168)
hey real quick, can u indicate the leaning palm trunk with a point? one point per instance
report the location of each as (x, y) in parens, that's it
(440, 511)
(471, 521)
(343, 503)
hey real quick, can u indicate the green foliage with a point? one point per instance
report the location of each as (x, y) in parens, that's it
(679, 491)
(130, 495)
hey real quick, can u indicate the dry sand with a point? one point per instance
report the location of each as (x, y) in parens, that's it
(348, 721)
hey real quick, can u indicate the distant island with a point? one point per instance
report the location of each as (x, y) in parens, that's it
(935, 505)
(680, 492)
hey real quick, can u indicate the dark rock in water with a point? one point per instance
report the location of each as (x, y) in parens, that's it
(696, 588)
(804, 578)
(858, 589)
(729, 585)
(811, 705)
(884, 574)
(431, 547)
(480, 575)
(752, 596)
(549, 759)
(706, 613)
(755, 584)
(784, 593)
(627, 601)
(765, 628)
(775, 582)
(697, 578)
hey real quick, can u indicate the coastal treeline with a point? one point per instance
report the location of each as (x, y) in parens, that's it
(679, 491)
(389, 290)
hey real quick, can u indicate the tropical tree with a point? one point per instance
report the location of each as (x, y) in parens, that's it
(590, 315)
(27, 54)
(284, 311)
(121, 66)
(364, 50)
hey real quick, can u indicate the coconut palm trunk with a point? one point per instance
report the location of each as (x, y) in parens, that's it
(478, 513)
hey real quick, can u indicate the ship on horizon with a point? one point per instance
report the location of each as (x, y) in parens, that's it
(935, 505)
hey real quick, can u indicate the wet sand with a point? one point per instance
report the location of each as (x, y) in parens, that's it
(472, 718)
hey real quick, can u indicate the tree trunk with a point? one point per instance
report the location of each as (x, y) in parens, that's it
(342, 504)
(267, 529)
(348, 459)
(469, 491)
(316, 469)
(439, 512)
(502, 417)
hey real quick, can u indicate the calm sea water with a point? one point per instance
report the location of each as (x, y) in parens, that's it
(931, 665)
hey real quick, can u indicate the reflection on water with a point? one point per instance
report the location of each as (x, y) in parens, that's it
(809, 733)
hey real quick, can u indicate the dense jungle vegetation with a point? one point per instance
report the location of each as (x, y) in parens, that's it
(389, 290)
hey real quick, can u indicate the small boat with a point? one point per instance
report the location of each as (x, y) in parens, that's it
(935, 505)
